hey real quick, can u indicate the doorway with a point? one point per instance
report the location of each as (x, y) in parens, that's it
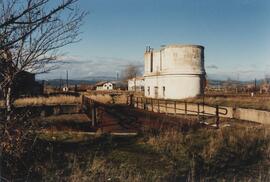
(156, 92)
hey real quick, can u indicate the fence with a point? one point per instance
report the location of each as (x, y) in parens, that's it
(89, 106)
(92, 107)
(201, 110)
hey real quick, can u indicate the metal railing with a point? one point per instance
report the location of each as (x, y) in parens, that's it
(91, 108)
(172, 107)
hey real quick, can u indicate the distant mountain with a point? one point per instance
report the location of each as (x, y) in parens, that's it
(86, 80)
(220, 82)
(224, 77)
(97, 78)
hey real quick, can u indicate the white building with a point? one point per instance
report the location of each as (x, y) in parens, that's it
(65, 89)
(174, 72)
(136, 84)
(104, 86)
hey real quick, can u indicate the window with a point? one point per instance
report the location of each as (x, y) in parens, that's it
(148, 90)
(163, 91)
(156, 92)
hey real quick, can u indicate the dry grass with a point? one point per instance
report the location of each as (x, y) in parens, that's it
(62, 99)
(64, 118)
(229, 153)
(261, 103)
(100, 170)
(108, 97)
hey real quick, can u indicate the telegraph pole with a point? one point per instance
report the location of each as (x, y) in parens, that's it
(67, 79)
(117, 76)
(255, 85)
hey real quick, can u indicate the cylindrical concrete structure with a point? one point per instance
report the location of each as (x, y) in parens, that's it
(174, 72)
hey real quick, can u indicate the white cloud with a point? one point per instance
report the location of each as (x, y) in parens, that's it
(97, 66)
(212, 66)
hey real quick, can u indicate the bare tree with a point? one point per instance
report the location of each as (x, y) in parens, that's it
(31, 34)
(131, 71)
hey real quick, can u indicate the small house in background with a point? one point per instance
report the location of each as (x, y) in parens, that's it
(105, 85)
(111, 85)
(136, 84)
(65, 89)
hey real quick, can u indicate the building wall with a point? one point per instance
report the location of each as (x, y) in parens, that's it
(174, 72)
(105, 86)
(139, 83)
(172, 86)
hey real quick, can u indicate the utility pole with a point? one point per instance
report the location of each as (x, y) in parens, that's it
(60, 83)
(117, 76)
(255, 85)
(67, 79)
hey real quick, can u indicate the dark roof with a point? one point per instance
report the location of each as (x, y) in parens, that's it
(101, 83)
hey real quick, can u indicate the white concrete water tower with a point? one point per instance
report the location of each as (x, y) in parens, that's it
(174, 71)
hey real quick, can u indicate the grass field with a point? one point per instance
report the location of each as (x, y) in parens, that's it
(61, 99)
(228, 154)
(261, 103)
(66, 150)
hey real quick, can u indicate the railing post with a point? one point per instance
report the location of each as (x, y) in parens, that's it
(144, 103)
(158, 105)
(82, 99)
(131, 100)
(128, 99)
(217, 116)
(185, 108)
(166, 106)
(82, 106)
(93, 109)
(175, 107)
(198, 111)
(152, 105)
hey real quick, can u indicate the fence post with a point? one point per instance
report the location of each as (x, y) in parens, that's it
(217, 116)
(144, 103)
(82, 99)
(175, 107)
(198, 111)
(158, 105)
(166, 106)
(152, 105)
(82, 106)
(128, 99)
(131, 100)
(185, 108)
(93, 110)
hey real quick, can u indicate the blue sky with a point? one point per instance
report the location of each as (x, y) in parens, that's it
(235, 33)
